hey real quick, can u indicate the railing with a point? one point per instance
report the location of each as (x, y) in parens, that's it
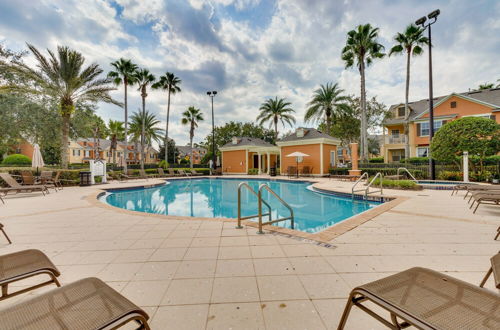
(395, 140)
(406, 170)
(260, 201)
(378, 175)
(291, 217)
(363, 176)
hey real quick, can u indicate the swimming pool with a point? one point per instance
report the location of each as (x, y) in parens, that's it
(314, 211)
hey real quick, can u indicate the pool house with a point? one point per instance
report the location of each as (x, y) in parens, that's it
(244, 153)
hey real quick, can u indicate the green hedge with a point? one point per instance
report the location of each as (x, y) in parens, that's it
(339, 171)
(376, 160)
(417, 160)
(451, 175)
(418, 174)
(16, 159)
(253, 171)
(397, 184)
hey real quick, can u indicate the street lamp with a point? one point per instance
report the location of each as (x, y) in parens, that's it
(422, 22)
(212, 95)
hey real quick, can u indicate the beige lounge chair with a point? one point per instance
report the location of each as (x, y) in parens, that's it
(47, 180)
(194, 173)
(495, 269)
(24, 264)
(182, 173)
(427, 299)
(485, 198)
(480, 187)
(171, 171)
(85, 304)
(143, 175)
(16, 187)
(161, 173)
(4, 233)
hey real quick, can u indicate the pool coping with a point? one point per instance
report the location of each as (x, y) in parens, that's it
(324, 236)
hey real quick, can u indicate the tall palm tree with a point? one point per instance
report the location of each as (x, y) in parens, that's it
(144, 78)
(116, 133)
(123, 73)
(170, 83)
(191, 117)
(328, 103)
(485, 86)
(361, 49)
(274, 110)
(152, 132)
(63, 77)
(409, 42)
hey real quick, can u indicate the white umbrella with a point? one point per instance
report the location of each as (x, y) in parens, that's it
(37, 159)
(297, 154)
(218, 161)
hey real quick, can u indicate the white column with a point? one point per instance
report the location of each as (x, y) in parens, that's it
(466, 166)
(321, 158)
(259, 161)
(268, 163)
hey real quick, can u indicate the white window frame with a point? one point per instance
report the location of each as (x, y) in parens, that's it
(426, 151)
(440, 121)
(333, 158)
(395, 131)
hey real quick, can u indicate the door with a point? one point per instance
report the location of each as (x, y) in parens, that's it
(255, 161)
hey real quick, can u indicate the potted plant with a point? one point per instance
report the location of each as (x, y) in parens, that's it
(495, 178)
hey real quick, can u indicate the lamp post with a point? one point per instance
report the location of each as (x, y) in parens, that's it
(212, 95)
(422, 22)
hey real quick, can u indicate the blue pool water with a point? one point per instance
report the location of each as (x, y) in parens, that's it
(313, 211)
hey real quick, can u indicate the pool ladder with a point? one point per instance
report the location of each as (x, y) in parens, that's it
(367, 188)
(260, 201)
(408, 172)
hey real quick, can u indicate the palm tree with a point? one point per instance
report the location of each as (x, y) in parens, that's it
(361, 49)
(485, 86)
(170, 83)
(409, 42)
(191, 117)
(328, 103)
(124, 74)
(274, 110)
(61, 76)
(116, 133)
(143, 78)
(140, 119)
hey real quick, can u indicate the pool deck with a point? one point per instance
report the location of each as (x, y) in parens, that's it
(205, 274)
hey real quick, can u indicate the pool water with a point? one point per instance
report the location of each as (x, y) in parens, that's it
(210, 198)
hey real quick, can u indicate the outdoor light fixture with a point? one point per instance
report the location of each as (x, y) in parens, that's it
(212, 94)
(421, 21)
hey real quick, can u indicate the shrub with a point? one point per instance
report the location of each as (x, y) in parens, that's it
(253, 171)
(418, 174)
(451, 175)
(397, 184)
(339, 171)
(16, 160)
(417, 160)
(492, 160)
(163, 164)
(376, 160)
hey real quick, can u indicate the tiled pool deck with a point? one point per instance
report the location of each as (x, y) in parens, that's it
(205, 274)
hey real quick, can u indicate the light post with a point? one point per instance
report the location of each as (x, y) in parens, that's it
(422, 22)
(212, 95)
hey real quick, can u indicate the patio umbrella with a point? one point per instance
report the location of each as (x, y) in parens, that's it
(37, 159)
(297, 154)
(217, 163)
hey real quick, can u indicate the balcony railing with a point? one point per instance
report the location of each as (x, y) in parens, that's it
(395, 139)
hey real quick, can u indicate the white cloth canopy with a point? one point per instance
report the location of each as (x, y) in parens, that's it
(37, 159)
(297, 154)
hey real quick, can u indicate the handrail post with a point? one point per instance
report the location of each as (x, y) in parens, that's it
(260, 212)
(239, 226)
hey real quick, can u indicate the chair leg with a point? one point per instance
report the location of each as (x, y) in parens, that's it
(345, 314)
(498, 233)
(5, 234)
(477, 205)
(488, 273)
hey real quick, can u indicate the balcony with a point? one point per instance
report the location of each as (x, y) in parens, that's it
(401, 139)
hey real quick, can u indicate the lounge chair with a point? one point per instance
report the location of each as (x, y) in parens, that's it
(427, 299)
(344, 177)
(485, 198)
(194, 173)
(5, 234)
(24, 264)
(306, 171)
(16, 187)
(182, 173)
(292, 171)
(85, 304)
(495, 269)
(128, 175)
(161, 173)
(47, 180)
(479, 187)
(143, 175)
(171, 172)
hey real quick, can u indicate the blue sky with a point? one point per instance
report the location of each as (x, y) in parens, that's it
(251, 50)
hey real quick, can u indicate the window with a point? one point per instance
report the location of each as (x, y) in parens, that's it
(86, 153)
(425, 130)
(398, 155)
(453, 104)
(339, 152)
(332, 158)
(422, 151)
(401, 111)
(395, 133)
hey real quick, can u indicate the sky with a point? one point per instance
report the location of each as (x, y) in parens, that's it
(252, 50)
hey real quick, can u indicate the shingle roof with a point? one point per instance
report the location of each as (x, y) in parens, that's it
(248, 141)
(309, 133)
(185, 150)
(491, 96)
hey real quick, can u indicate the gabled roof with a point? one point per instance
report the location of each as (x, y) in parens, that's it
(248, 142)
(488, 97)
(309, 134)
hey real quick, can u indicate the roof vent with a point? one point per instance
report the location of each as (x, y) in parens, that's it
(300, 132)
(235, 140)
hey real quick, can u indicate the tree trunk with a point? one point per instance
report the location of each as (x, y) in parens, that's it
(364, 137)
(191, 135)
(276, 128)
(125, 152)
(328, 122)
(166, 130)
(407, 110)
(65, 140)
(143, 94)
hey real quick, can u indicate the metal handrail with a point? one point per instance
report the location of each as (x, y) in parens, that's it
(364, 175)
(291, 217)
(406, 170)
(372, 181)
(244, 184)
